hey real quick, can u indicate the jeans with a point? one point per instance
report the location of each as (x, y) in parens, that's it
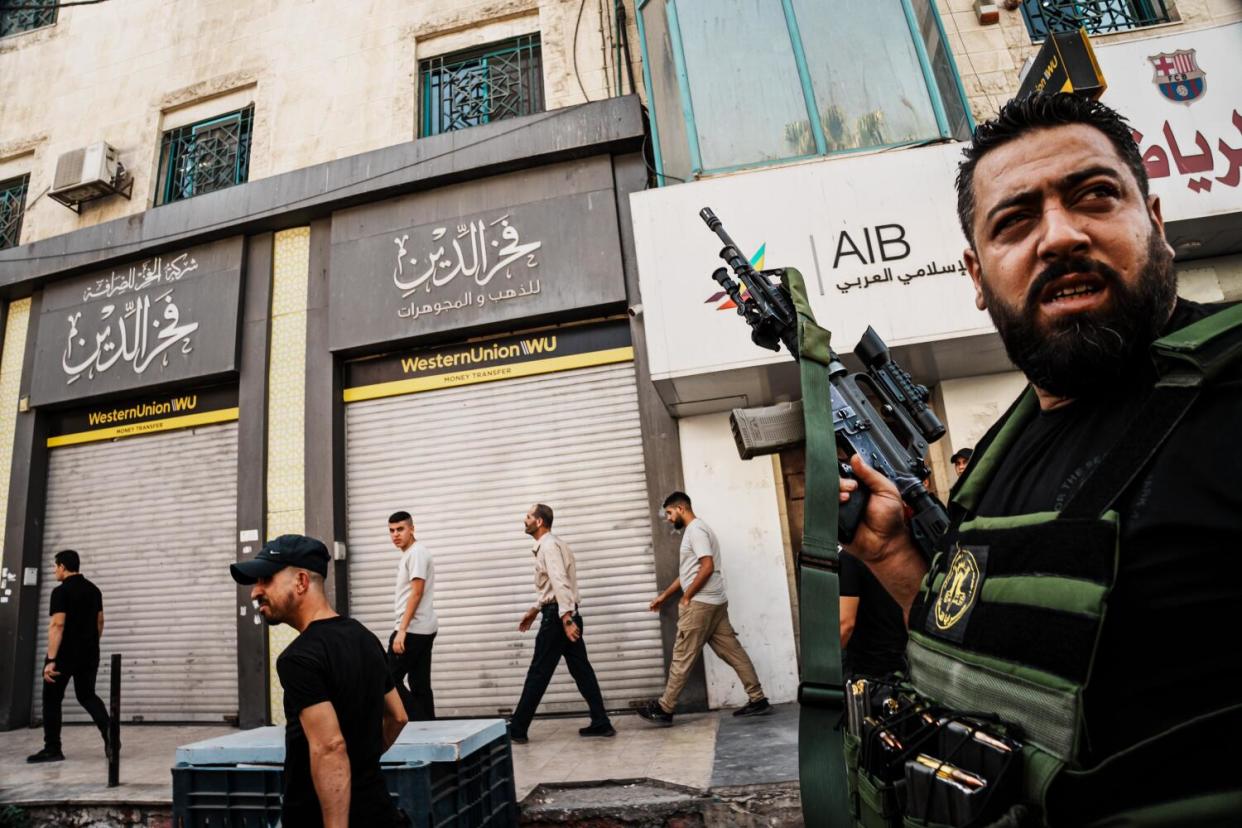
(84, 688)
(551, 644)
(418, 701)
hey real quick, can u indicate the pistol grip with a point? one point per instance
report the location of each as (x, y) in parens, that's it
(850, 513)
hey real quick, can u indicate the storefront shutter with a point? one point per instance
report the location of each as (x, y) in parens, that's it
(154, 519)
(467, 463)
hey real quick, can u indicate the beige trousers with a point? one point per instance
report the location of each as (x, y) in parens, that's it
(698, 624)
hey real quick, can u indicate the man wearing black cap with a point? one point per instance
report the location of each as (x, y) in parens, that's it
(342, 710)
(961, 459)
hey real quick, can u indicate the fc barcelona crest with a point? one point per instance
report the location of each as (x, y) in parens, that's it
(1178, 76)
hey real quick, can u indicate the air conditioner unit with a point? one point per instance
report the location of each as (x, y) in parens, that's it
(88, 173)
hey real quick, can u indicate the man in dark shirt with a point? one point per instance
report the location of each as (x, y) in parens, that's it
(873, 629)
(72, 651)
(342, 710)
(1068, 255)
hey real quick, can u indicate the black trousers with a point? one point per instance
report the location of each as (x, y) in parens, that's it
(420, 704)
(551, 644)
(83, 676)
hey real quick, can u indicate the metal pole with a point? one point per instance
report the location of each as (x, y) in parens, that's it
(114, 725)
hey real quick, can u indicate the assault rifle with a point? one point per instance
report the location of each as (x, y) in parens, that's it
(880, 413)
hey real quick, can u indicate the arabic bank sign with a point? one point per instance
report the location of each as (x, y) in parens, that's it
(513, 247)
(875, 237)
(1182, 94)
(164, 319)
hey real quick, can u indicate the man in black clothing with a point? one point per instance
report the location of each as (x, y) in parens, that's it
(1068, 255)
(873, 629)
(342, 710)
(72, 651)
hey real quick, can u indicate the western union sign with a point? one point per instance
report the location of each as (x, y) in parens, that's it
(488, 360)
(148, 415)
(1065, 63)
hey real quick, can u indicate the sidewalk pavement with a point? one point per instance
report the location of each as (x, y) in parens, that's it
(702, 751)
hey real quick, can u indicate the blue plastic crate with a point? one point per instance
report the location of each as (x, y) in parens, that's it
(248, 796)
(444, 774)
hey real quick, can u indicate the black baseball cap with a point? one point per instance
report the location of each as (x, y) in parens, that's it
(964, 454)
(276, 554)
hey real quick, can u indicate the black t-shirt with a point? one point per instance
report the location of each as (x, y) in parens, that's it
(1166, 652)
(81, 602)
(340, 661)
(878, 643)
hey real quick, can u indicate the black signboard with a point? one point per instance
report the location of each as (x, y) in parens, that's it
(144, 415)
(165, 319)
(1065, 63)
(487, 360)
(523, 245)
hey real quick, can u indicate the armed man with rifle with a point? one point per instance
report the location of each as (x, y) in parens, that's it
(1067, 620)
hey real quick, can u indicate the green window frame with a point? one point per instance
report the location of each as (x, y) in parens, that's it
(937, 72)
(25, 19)
(206, 156)
(1096, 16)
(12, 210)
(478, 86)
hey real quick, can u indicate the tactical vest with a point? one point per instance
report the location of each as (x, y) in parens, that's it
(1051, 574)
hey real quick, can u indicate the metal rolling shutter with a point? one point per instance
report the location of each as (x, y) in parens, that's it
(467, 463)
(155, 521)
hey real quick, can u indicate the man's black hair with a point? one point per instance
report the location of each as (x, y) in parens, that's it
(677, 499)
(544, 513)
(69, 560)
(1033, 112)
(400, 517)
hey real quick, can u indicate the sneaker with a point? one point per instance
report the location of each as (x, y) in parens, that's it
(518, 738)
(652, 712)
(754, 708)
(604, 730)
(45, 755)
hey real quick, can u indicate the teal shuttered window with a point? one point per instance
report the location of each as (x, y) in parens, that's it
(12, 208)
(1096, 16)
(465, 89)
(18, 16)
(207, 156)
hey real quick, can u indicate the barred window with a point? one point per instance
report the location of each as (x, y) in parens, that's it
(1096, 16)
(465, 89)
(204, 157)
(12, 208)
(33, 14)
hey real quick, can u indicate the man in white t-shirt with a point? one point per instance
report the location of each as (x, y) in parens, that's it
(414, 630)
(703, 616)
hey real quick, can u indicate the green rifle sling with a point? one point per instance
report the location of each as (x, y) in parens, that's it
(821, 752)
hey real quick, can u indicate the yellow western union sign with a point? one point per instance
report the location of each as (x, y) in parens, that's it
(489, 360)
(130, 419)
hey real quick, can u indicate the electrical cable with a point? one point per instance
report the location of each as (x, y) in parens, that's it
(577, 76)
(68, 3)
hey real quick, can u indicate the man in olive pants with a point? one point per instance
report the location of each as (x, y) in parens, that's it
(703, 618)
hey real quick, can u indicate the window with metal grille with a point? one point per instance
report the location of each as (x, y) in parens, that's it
(465, 89)
(207, 156)
(1097, 16)
(12, 208)
(33, 14)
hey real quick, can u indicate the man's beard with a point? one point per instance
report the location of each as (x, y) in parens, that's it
(1096, 351)
(679, 523)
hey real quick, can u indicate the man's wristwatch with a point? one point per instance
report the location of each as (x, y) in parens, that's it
(48, 660)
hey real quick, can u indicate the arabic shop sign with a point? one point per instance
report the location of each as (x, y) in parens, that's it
(1182, 94)
(164, 319)
(488, 360)
(513, 247)
(144, 415)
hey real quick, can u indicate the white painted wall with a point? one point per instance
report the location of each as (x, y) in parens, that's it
(738, 499)
(972, 405)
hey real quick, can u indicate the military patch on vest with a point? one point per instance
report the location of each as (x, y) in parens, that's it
(959, 593)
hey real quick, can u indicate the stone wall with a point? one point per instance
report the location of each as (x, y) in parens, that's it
(328, 78)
